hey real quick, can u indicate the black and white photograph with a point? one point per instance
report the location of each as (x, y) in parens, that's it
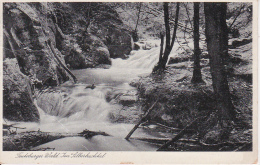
(127, 76)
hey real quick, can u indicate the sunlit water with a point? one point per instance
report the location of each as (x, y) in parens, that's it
(88, 108)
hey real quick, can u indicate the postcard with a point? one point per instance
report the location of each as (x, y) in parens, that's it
(129, 82)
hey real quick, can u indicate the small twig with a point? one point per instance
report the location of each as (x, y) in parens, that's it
(153, 140)
(188, 14)
(236, 16)
(182, 46)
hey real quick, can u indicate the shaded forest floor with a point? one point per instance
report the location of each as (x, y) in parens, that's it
(181, 102)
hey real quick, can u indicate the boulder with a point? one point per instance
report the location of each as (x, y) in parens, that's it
(127, 100)
(108, 26)
(27, 29)
(51, 102)
(17, 94)
(106, 30)
(75, 60)
(74, 56)
(82, 43)
(136, 46)
(91, 41)
(97, 51)
(100, 55)
(119, 43)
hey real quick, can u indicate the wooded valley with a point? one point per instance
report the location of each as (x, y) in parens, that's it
(157, 76)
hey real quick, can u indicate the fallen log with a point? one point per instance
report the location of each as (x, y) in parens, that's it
(25, 141)
(164, 140)
(227, 146)
(60, 31)
(88, 134)
(59, 61)
(44, 149)
(152, 140)
(6, 126)
(172, 128)
(141, 121)
(178, 136)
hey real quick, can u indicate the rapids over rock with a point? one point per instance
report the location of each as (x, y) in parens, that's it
(86, 108)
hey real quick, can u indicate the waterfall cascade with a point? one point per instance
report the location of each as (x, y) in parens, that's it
(73, 108)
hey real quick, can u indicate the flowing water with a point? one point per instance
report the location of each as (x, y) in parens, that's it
(85, 108)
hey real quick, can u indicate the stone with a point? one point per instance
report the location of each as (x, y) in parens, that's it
(24, 24)
(17, 95)
(97, 52)
(100, 55)
(127, 100)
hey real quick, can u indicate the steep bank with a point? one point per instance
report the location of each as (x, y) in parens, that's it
(181, 102)
(46, 39)
(17, 96)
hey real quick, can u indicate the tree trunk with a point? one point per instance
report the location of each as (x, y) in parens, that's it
(167, 25)
(175, 24)
(196, 68)
(25, 141)
(169, 44)
(161, 47)
(217, 40)
(161, 65)
(141, 121)
(139, 11)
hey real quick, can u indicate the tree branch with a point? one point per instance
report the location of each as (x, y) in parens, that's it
(142, 120)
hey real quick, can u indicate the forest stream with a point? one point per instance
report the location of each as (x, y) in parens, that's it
(110, 76)
(88, 108)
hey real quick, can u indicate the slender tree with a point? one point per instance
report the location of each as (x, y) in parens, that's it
(161, 65)
(217, 40)
(138, 16)
(196, 55)
(134, 33)
(161, 49)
